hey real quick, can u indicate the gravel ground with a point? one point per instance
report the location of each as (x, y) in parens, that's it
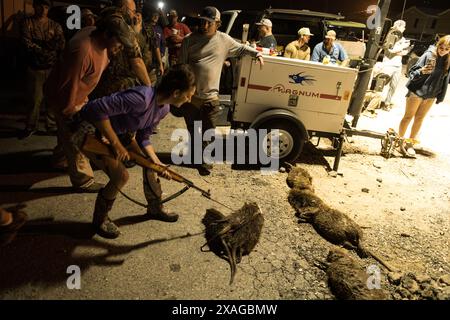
(404, 207)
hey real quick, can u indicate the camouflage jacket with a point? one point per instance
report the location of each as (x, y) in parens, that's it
(43, 42)
(130, 52)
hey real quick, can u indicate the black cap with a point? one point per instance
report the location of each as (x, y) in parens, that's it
(42, 2)
(210, 14)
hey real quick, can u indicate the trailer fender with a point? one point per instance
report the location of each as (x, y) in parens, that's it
(281, 114)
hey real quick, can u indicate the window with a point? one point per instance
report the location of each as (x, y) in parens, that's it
(415, 23)
(433, 24)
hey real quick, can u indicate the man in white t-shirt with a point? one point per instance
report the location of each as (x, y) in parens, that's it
(206, 51)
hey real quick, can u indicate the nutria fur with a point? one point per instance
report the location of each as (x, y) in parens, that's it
(299, 178)
(233, 236)
(333, 225)
(348, 280)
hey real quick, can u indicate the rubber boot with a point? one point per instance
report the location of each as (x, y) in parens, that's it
(103, 225)
(156, 211)
(153, 192)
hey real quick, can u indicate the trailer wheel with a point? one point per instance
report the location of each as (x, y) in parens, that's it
(291, 139)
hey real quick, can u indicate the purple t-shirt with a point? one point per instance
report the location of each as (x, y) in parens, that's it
(132, 110)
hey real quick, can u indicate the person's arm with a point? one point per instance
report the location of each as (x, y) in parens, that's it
(167, 32)
(161, 40)
(116, 104)
(441, 96)
(27, 39)
(236, 49)
(186, 30)
(316, 54)
(134, 56)
(75, 70)
(159, 60)
(59, 39)
(150, 151)
(342, 54)
(421, 67)
(288, 52)
(273, 43)
(184, 51)
(139, 69)
(308, 54)
(142, 142)
(105, 128)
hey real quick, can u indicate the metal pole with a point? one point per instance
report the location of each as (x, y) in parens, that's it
(370, 57)
(403, 11)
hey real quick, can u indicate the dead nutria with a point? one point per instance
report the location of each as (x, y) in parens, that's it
(347, 279)
(233, 236)
(299, 178)
(331, 224)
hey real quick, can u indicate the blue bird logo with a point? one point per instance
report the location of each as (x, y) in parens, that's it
(301, 79)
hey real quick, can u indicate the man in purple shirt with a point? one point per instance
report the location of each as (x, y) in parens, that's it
(129, 117)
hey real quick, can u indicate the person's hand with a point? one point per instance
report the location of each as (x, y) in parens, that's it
(161, 69)
(165, 173)
(120, 152)
(427, 69)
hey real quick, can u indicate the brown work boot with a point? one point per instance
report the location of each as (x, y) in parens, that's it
(156, 211)
(103, 225)
(94, 187)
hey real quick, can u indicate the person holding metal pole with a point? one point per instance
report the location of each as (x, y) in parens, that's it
(125, 121)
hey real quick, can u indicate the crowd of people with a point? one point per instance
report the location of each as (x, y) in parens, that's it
(120, 74)
(109, 79)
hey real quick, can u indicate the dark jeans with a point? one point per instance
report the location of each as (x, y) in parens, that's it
(208, 113)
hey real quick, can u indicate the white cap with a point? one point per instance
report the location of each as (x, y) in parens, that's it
(265, 22)
(331, 34)
(304, 32)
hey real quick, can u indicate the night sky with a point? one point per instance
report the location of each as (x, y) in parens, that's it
(349, 8)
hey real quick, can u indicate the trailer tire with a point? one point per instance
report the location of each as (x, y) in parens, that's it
(292, 139)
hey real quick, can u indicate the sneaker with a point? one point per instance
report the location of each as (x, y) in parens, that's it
(409, 148)
(92, 188)
(406, 149)
(162, 216)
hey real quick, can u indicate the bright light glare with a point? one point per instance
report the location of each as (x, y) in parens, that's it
(160, 5)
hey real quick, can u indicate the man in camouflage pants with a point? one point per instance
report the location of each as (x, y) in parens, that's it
(128, 68)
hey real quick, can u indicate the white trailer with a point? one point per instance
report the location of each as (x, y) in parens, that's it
(301, 99)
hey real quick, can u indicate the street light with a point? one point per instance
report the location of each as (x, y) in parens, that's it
(160, 5)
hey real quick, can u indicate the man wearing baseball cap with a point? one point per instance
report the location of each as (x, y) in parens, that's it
(205, 51)
(299, 48)
(267, 39)
(328, 47)
(72, 80)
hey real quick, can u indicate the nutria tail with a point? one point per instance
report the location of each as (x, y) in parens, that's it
(365, 253)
